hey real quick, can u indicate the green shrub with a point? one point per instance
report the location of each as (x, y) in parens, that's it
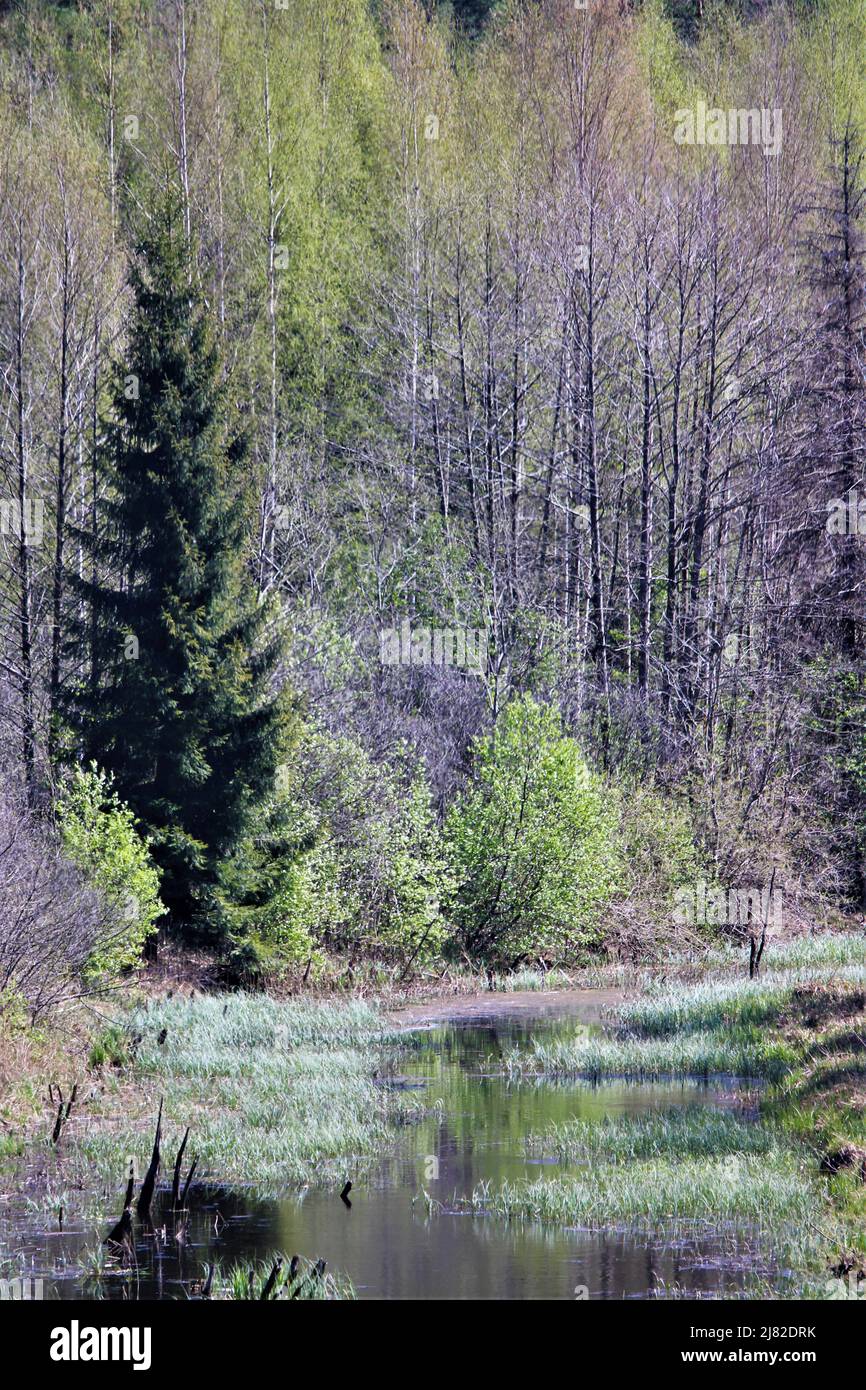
(531, 843)
(98, 834)
(347, 857)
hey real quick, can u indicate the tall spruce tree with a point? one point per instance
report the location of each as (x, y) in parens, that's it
(178, 701)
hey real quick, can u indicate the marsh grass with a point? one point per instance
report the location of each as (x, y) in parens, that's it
(530, 980)
(705, 1027)
(648, 1059)
(728, 1004)
(693, 1132)
(309, 1284)
(275, 1094)
(800, 1028)
(835, 949)
(823, 949)
(758, 1193)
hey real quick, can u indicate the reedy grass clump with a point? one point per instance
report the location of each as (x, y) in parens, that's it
(693, 1054)
(229, 1032)
(309, 1284)
(750, 1191)
(694, 1132)
(528, 979)
(705, 1007)
(823, 949)
(276, 1094)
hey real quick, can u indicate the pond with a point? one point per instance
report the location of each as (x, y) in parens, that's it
(392, 1243)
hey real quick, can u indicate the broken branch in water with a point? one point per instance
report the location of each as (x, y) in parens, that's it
(148, 1187)
(121, 1234)
(271, 1280)
(175, 1186)
(63, 1111)
(186, 1185)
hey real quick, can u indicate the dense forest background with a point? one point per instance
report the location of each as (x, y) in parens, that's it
(474, 347)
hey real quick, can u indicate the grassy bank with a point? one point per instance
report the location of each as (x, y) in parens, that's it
(32, 1056)
(796, 1178)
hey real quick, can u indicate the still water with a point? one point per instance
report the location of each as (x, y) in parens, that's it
(388, 1242)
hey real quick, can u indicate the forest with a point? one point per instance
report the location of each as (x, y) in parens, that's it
(432, 501)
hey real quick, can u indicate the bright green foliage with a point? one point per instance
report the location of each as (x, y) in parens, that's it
(531, 843)
(833, 49)
(373, 875)
(415, 877)
(347, 857)
(178, 705)
(659, 54)
(98, 833)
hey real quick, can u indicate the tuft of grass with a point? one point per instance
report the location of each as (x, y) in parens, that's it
(110, 1047)
(753, 1192)
(694, 1054)
(310, 1283)
(693, 1132)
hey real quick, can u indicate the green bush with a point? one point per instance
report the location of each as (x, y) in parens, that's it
(346, 858)
(98, 834)
(532, 843)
